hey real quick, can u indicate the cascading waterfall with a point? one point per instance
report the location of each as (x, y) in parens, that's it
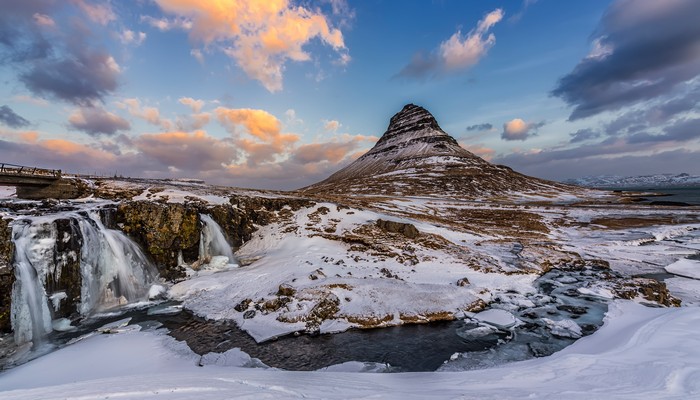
(34, 242)
(213, 241)
(113, 270)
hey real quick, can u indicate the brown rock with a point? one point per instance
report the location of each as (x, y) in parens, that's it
(407, 230)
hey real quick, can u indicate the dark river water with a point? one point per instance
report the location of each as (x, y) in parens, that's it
(425, 347)
(689, 195)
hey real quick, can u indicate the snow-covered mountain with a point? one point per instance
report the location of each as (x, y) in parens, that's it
(416, 157)
(649, 181)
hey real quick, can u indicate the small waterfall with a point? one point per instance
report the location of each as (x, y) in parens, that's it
(113, 270)
(213, 241)
(31, 317)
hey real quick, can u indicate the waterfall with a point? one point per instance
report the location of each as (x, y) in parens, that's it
(31, 317)
(213, 241)
(113, 270)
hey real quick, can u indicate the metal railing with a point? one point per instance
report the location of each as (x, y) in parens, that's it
(22, 170)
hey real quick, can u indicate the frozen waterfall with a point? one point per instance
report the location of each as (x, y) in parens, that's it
(113, 270)
(213, 242)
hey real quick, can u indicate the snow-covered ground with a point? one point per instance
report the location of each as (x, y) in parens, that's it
(640, 352)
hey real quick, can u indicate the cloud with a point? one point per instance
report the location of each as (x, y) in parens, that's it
(480, 150)
(642, 50)
(267, 141)
(131, 37)
(291, 117)
(582, 135)
(192, 152)
(560, 168)
(12, 119)
(519, 15)
(260, 35)
(53, 63)
(96, 121)
(682, 131)
(148, 114)
(480, 127)
(32, 100)
(333, 151)
(517, 129)
(44, 20)
(195, 105)
(166, 24)
(101, 13)
(331, 125)
(456, 53)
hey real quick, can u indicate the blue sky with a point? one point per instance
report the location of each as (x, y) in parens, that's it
(280, 94)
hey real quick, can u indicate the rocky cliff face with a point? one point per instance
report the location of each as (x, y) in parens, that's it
(416, 157)
(7, 274)
(165, 230)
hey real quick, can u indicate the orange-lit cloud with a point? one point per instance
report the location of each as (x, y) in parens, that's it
(195, 105)
(261, 35)
(331, 125)
(149, 114)
(482, 151)
(195, 151)
(517, 129)
(268, 141)
(66, 148)
(461, 52)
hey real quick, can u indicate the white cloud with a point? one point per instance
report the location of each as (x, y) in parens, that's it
(460, 52)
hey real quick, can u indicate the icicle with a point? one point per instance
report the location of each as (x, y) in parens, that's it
(213, 242)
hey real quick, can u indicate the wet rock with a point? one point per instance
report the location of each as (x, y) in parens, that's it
(407, 230)
(163, 230)
(576, 310)
(649, 289)
(542, 349)
(243, 305)
(64, 275)
(7, 274)
(286, 290)
(463, 282)
(325, 309)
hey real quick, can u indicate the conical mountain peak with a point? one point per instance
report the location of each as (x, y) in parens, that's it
(416, 157)
(413, 131)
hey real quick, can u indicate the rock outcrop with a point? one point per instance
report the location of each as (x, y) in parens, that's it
(7, 274)
(164, 231)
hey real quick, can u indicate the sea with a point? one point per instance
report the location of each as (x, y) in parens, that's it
(689, 195)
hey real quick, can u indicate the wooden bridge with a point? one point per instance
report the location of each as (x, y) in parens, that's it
(37, 183)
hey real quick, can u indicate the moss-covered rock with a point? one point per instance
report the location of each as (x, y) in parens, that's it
(163, 230)
(244, 215)
(7, 274)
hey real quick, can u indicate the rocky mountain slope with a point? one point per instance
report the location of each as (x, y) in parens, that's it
(415, 157)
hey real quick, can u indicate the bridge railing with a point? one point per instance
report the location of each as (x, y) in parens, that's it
(23, 170)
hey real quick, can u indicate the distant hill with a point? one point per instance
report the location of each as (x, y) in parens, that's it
(642, 181)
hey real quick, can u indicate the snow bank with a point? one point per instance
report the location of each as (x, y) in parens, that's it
(685, 267)
(639, 353)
